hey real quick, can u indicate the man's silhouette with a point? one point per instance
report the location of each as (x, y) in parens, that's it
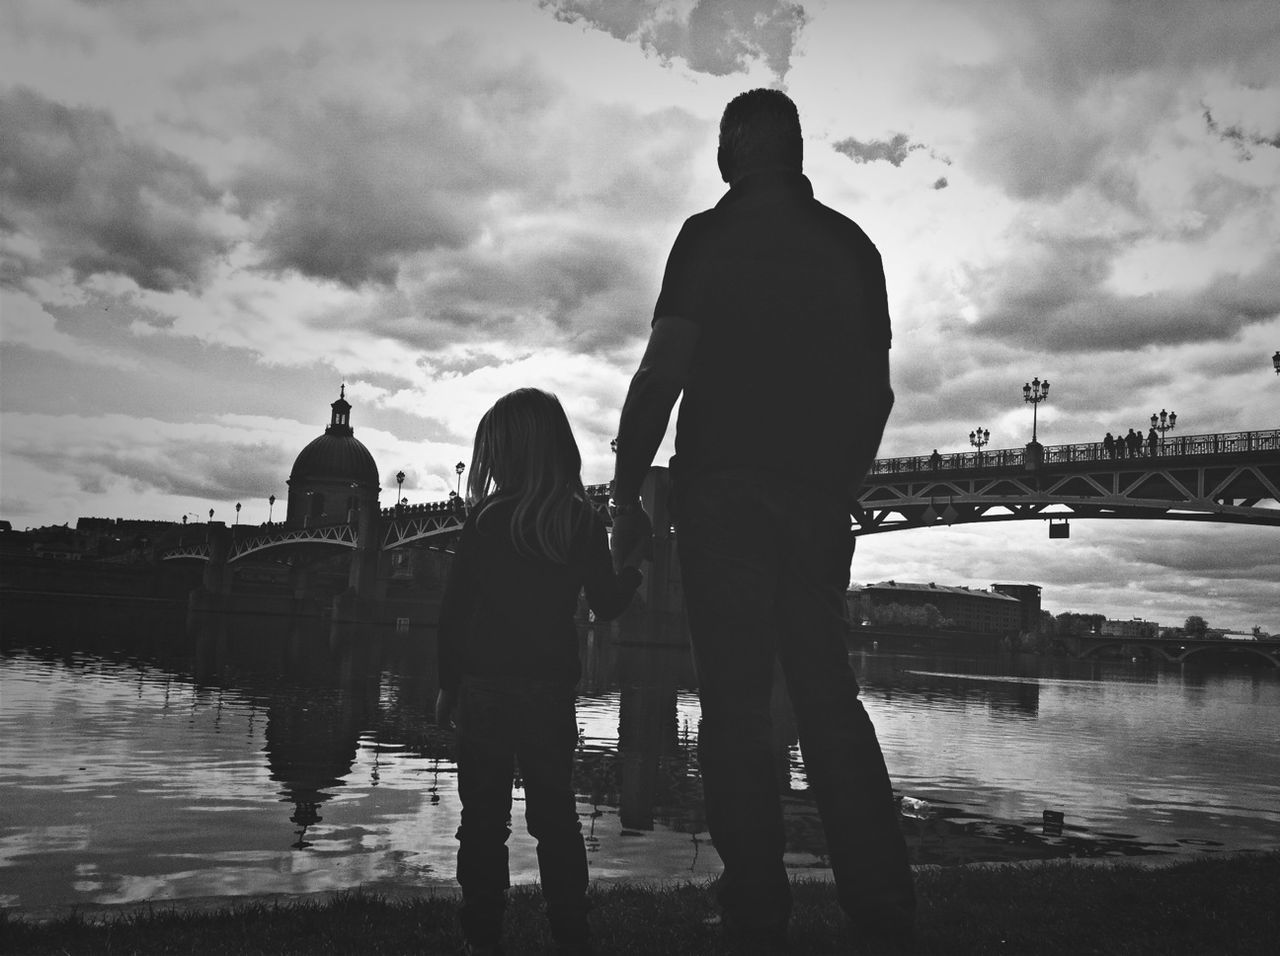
(773, 323)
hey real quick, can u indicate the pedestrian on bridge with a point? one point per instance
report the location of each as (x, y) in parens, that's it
(773, 322)
(509, 658)
(1109, 445)
(1134, 441)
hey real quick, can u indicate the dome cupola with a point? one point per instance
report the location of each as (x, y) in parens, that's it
(333, 474)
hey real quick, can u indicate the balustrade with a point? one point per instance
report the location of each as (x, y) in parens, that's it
(1000, 458)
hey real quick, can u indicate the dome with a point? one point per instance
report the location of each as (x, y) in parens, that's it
(334, 477)
(335, 458)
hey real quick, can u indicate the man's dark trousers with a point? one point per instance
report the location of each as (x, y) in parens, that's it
(765, 566)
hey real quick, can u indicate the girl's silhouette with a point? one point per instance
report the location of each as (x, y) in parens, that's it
(509, 664)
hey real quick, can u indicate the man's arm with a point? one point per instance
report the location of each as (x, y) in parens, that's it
(658, 382)
(872, 405)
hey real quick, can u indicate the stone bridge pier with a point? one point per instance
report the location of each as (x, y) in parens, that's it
(215, 584)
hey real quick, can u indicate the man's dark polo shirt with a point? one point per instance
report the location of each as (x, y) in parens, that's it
(789, 297)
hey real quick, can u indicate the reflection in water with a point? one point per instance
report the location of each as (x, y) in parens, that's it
(143, 758)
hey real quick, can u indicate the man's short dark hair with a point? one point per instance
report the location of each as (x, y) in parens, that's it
(760, 129)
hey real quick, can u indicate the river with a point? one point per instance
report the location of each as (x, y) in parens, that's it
(145, 758)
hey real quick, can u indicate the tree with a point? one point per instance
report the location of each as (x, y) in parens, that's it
(1195, 626)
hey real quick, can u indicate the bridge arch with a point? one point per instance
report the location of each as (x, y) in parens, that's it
(1241, 648)
(1232, 478)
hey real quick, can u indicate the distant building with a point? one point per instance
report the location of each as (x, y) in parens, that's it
(334, 476)
(1136, 627)
(982, 612)
(1029, 596)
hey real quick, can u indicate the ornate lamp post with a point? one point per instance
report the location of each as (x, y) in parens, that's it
(399, 489)
(210, 514)
(460, 467)
(271, 504)
(1035, 392)
(979, 437)
(237, 512)
(1162, 423)
(1275, 360)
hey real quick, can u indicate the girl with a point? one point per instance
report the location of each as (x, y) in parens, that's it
(509, 658)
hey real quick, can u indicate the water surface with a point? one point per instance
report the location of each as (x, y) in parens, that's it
(140, 759)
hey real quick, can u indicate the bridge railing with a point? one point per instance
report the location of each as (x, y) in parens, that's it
(1183, 446)
(597, 493)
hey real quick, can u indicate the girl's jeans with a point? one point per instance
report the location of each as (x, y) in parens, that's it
(501, 721)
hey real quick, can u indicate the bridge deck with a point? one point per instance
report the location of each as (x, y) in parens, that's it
(1232, 477)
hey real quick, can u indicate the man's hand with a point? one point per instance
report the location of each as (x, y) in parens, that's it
(446, 704)
(632, 539)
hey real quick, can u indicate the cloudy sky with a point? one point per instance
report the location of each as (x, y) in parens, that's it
(215, 213)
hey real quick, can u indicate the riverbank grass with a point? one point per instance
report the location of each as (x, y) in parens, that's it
(1202, 906)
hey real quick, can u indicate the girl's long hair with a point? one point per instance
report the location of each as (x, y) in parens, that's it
(525, 453)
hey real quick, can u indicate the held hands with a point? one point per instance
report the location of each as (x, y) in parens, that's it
(632, 539)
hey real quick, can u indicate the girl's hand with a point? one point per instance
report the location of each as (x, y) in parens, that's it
(446, 704)
(632, 539)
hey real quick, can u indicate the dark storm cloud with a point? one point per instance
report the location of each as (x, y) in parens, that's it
(719, 37)
(166, 464)
(894, 150)
(1239, 137)
(354, 180)
(353, 185)
(97, 200)
(1055, 298)
(1083, 86)
(575, 289)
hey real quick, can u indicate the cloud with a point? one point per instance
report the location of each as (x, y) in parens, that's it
(86, 196)
(894, 150)
(1055, 297)
(350, 176)
(27, 322)
(1238, 137)
(1081, 89)
(718, 37)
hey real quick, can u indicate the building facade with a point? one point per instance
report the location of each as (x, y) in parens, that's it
(1029, 596)
(963, 609)
(1136, 627)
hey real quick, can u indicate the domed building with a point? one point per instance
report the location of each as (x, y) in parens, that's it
(333, 476)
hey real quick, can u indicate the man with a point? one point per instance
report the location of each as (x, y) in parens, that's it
(773, 323)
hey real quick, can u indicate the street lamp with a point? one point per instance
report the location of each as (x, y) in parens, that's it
(210, 514)
(237, 513)
(399, 488)
(460, 467)
(271, 504)
(1275, 360)
(1162, 423)
(979, 437)
(1035, 392)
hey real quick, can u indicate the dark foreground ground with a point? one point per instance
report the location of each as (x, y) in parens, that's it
(1217, 904)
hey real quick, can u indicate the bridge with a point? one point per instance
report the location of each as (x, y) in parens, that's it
(1232, 477)
(1174, 649)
